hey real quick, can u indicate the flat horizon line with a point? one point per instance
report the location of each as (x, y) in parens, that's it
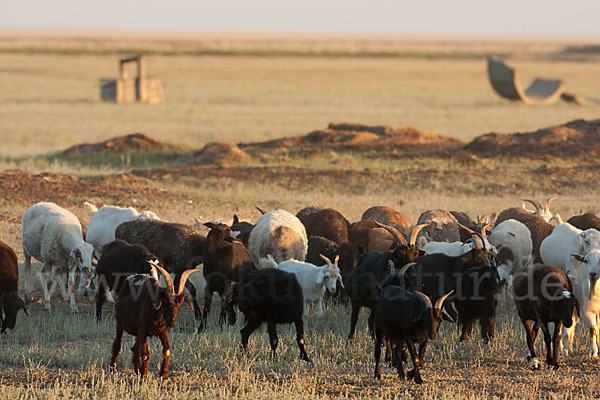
(199, 34)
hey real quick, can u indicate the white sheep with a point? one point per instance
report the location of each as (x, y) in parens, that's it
(279, 234)
(53, 236)
(104, 222)
(513, 241)
(313, 279)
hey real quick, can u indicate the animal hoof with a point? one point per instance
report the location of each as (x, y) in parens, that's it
(378, 376)
(418, 379)
(164, 375)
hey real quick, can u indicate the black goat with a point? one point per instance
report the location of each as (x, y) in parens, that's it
(406, 318)
(118, 261)
(474, 279)
(178, 246)
(226, 260)
(361, 283)
(272, 296)
(10, 302)
(244, 228)
(145, 308)
(544, 294)
(585, 221)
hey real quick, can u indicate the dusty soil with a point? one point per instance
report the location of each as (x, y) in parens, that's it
(122, 144)
(221, 154)
(359, 137)
(575, 138)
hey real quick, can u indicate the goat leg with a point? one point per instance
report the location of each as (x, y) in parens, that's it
(398, 358)
(530, 343)
(414, 373)
(378, 340)
(164, 366)
(300, 339)
(555, 342)
(145, 356)
(116, 349)
(353, 320)
(246, 331)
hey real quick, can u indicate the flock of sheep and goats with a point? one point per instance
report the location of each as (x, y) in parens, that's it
(411, 277)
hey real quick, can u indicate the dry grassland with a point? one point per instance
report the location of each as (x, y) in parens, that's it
(254, 88)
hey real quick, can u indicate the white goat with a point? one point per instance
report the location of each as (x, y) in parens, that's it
(313, 279)
(513, 242)
(455, 249)
(279, 234)
(104, 222)
(577, 253)
(53, 236)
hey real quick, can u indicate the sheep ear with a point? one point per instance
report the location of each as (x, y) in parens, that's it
(236, 220)
(579, 258)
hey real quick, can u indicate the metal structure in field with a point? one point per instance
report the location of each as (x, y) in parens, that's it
(125, 89)
(504, 81)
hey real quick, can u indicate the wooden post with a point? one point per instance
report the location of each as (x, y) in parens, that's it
(142, 93)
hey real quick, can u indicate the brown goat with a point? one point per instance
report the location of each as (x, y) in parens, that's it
(388, 216)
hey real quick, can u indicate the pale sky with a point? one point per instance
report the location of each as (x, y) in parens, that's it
(417, 17)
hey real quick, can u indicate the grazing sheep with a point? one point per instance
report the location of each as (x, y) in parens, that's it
(314, 280)
(538, 227)
(406, 318)
(543, 295)
(388, 216)
(225, 260)
(145, 308)
(585, 221)
(119, 260)
(280, 234)
(457, 248)
(104, 222)
(326, 222)
(178, 246)
(272, 296)
(10, 302)
(371, 235)
(513, 241)
(53, 236)
(442, 227)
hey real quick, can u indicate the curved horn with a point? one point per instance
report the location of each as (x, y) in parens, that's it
(392, 267)
(440, 302)
(550, 201)
(184, 277)
(485, 219)
(482, 240)
(327, 260)
(475, 241)
(399, 239)
(484, 228)
(263, 212)
(471, 231)
(414, 232)
(406, 267)
(165, 274)
(538, 206)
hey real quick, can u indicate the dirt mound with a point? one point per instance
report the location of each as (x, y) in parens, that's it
(121, 144)
(572, 139)
(362, 137)
(221, 154)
